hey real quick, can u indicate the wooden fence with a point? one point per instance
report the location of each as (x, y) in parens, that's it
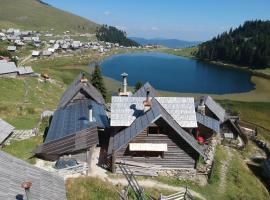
(182, 195)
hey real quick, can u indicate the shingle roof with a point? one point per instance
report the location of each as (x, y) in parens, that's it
(75, 87)
(5, 130)
(75, 117)
(208, 122)
(215, 108)
(11, 48)
(25, 70)
(7, 67)
(14, 172)
(124, 110)
(143, 90)
(156, 112)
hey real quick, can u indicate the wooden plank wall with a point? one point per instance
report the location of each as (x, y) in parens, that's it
(71, 144)
(179, 154)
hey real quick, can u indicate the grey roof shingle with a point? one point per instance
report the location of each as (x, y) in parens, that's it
(7, 67)
(124, 110)
(143, 121)
(25, 70)
(208, 122)
(5, 130)
(143, 90)
(75, 117)
(11, 48)
(14, 172)
(215, 108)
(75, 87)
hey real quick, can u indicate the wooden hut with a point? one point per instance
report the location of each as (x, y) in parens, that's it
(154, 131)
(79, 123)
(212, 118)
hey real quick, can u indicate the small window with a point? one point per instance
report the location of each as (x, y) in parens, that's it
(153, 130)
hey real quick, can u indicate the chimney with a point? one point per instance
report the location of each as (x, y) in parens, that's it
(201, 107)
(124, 75)
(26, 186)
(90, 114)
(84, 79)
(147, 102)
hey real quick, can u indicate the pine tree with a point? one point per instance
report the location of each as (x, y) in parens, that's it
(97, 81)
(137, 86)
(247, 45)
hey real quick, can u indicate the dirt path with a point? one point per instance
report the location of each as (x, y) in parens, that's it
(155, 184)
(97, 171)
(223, 172)
(27, 58)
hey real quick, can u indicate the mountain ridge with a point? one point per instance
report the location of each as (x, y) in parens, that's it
(170, 43)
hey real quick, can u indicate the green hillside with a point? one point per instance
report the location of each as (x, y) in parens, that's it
(35, 15)
(247, 45)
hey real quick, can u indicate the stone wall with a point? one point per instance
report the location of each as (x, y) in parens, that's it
(182, 174)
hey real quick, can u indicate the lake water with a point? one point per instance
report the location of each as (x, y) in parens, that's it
(177, 74)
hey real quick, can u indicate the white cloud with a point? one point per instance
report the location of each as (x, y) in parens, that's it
(155, 28)
(107, 13)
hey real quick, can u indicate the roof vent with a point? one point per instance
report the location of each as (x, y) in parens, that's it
(90, 114)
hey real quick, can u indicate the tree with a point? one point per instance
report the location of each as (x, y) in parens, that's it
(247, 45)
(97, 81)
(137, 86)
(114, 35)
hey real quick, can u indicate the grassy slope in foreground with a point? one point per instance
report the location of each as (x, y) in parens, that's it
(31, 14)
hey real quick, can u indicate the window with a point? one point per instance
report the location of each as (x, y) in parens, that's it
(153, 130)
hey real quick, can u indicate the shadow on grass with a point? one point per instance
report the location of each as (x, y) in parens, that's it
(258, 172)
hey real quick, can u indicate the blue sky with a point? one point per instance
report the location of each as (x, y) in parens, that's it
(181, 19)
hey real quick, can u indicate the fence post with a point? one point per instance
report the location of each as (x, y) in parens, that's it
(113, 161)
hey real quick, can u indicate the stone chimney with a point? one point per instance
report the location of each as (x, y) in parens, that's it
(201, 107)
(27, 186)
(84, 79)
(147, 102)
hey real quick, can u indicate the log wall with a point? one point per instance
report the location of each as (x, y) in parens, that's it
(179, 155)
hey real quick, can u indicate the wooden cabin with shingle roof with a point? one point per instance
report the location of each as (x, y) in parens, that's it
(154, 131)
(79, 123)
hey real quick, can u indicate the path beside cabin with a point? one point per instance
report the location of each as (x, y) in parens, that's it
(223, 172)
(155, 184)
(101, 173)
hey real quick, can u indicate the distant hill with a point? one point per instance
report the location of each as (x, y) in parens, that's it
(247, 45)
(170, 43)
(37, 15)
(112, 34)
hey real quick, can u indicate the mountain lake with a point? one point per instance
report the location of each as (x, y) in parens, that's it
(177, 74)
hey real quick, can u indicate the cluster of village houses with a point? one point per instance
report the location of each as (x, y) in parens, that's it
(20, 38)
(151, 134)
